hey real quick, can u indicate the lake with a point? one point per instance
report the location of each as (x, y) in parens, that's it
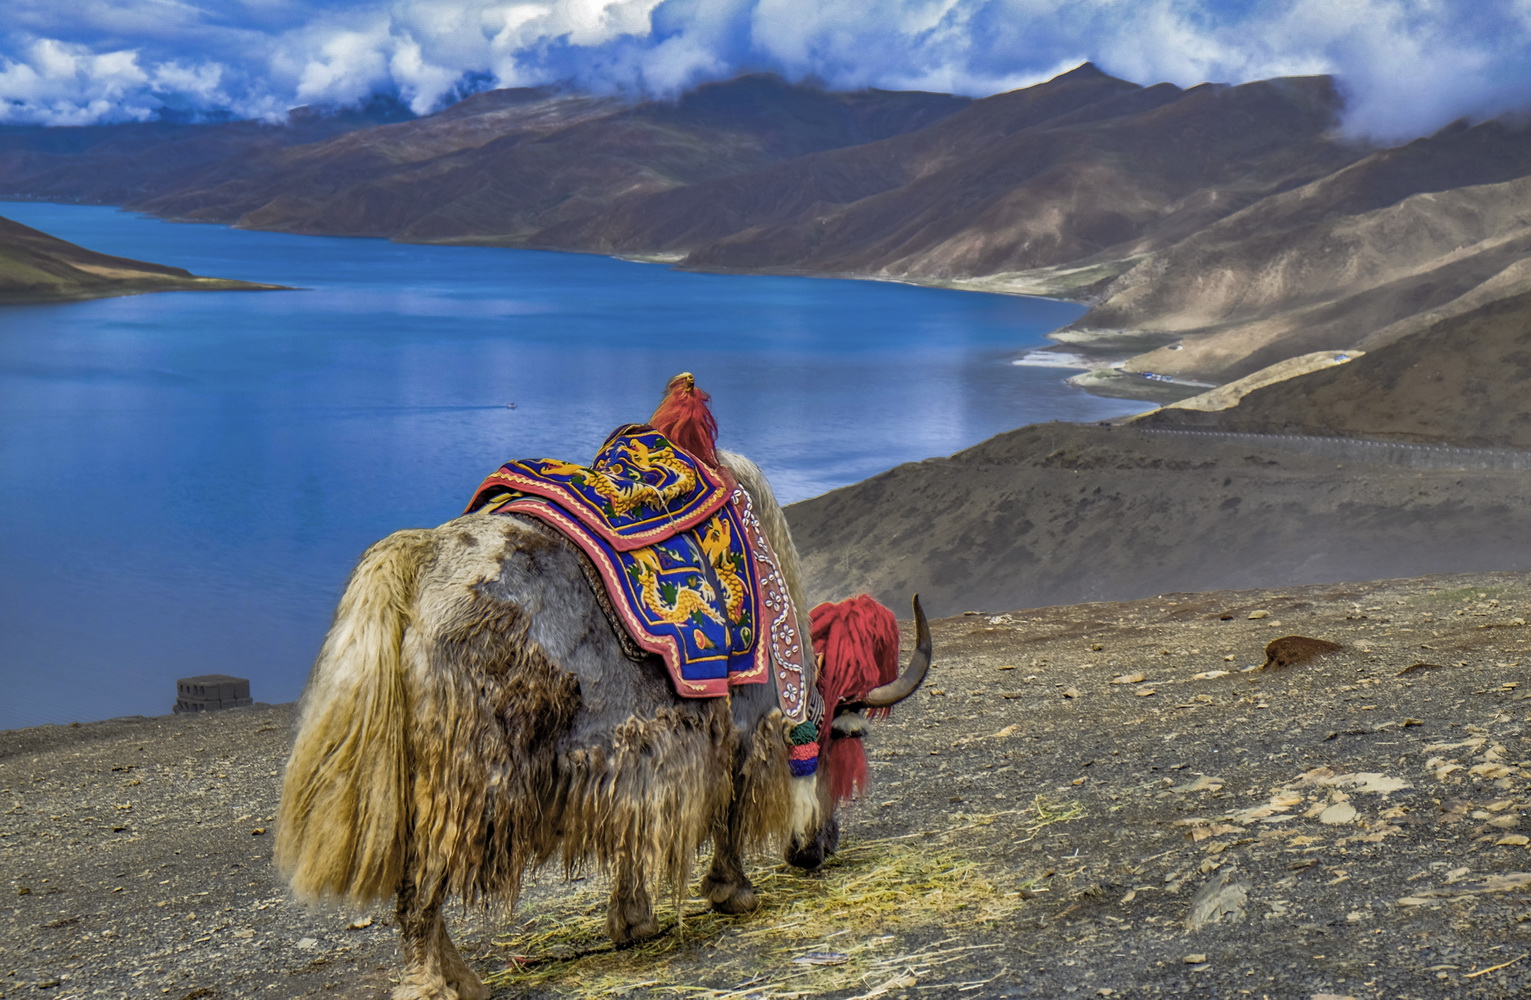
(190, 476)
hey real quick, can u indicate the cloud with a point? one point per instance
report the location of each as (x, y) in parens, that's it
(1406, 66)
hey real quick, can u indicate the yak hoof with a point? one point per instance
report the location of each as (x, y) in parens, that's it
(624, 933)
(631, 920)
(475, 990)
(469, 987)
(730, 897)
(457, 984)
(413, 989)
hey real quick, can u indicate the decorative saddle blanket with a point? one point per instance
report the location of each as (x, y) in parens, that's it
(682, 554)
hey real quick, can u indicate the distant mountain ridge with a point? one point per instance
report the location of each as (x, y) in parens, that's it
(1214, 230)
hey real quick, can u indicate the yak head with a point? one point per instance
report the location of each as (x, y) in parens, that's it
(856, 642)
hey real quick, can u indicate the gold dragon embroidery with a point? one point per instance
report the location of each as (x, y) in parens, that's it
(717, 543)
(626, 495)
(687, 601)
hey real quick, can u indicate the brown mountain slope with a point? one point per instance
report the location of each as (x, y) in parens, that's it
(1283, 277)
(1459, 382)
(507, 165)
(127, 164)
(1068, 190)
(769, 206)
(36, 267)
(1061, 513)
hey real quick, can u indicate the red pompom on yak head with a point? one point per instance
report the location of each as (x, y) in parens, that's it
(684, 417)
(857, 644)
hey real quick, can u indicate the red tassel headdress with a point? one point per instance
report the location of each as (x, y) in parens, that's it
(684, 417)
(858, 639)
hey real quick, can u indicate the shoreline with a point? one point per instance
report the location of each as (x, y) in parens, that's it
(1099, 355)
(1100, 351)
(195, 284)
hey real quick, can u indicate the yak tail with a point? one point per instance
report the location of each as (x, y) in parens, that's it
(344, 819)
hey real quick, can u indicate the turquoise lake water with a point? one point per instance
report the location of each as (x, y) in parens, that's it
(189, 477)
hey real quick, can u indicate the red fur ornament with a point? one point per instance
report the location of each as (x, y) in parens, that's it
(858, 640)
(684, 417)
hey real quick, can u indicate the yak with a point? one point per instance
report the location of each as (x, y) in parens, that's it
(475, 712)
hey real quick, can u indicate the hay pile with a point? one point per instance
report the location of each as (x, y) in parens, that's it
(880, 916)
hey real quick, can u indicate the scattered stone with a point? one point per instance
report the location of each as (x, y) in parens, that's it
(1340, 812)
(1254, 615)
(1195, 959)
(1292, 650)
(1220, 898)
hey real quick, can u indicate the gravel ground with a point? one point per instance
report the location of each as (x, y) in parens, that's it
(1155, 813)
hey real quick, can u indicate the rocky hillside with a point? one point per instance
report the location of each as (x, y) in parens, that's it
(1115, 800)
(1215, 230)
(1062, 513)
(36, 267)
(1458, 380)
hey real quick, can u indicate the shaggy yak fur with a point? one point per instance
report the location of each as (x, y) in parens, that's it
(474, 714)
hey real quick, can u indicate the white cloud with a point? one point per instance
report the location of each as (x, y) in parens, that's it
(1407, 66)
(344, 66)
(59, 83)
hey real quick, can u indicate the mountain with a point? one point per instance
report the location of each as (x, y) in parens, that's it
(500, 166)
(36, 267)
(1063, 513)
(1457, 381)
(1214, 231)
(1354, 259)
(128, 163)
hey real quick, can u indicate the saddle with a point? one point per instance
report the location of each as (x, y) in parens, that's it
(682, 556)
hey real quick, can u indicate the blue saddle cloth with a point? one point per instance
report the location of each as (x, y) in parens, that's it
(672, 542)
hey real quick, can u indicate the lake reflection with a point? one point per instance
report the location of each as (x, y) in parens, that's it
(190, 476)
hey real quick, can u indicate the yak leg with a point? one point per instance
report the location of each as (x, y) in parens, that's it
(433, 968)
(726, 886)
(630, 914)
(461, 978)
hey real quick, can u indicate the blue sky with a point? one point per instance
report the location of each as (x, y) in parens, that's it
(1407, 66)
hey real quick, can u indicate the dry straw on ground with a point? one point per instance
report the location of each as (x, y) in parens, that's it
(882, 915)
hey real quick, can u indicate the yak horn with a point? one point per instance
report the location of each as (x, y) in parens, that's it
(909, 681)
